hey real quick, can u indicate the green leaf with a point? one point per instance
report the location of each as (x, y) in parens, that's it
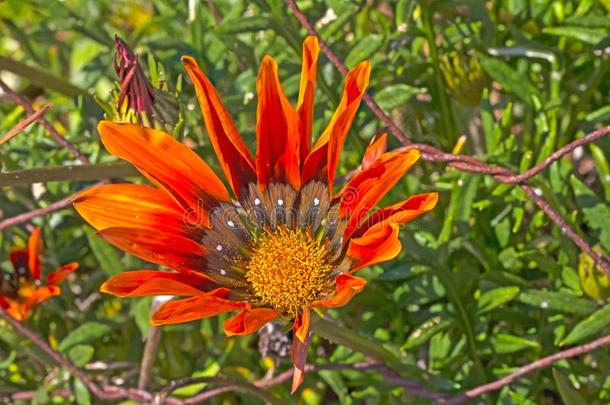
(588, 35)
(395, 95)
(81, 393)
(569, 394)
(245, 24)
(494, 298)
(593, 324)
(512, 81)
(81, 354)
(85, 333)
(504, 343)
(104, 253)
(425, 331)
(363, 50)
(558, 301)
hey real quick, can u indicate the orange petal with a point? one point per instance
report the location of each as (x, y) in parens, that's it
(402, 212)
(367, 187)
(376, 148)
(248, 321)
(322, 162)
(173, 251)
(198, 307)
(34, 249)
(166, 162)
(307, 89)
(230, 148)
(142, 283)
(135, 206)
(59, 275)
(378, 244)
(277, 130)
(347, 286)
(38, 296)
(298, 352)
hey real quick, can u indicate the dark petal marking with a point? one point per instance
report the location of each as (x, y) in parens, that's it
(280, 201)
(254, 206)
(313, 205)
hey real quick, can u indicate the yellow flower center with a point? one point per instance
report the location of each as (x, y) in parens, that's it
(288, 269)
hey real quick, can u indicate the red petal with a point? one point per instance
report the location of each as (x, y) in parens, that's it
(378, 244)
(249, 320)
(298, 352)
(34, 249)
(135, 206)
(230, 148)
(198, 307)
(277, 130)
(321, 163)
(307, 89)
(168, 163)
(19, 259)
(59, 275)
(376, 148)
(367, 187)
(402, 212)
(347, 286)
(173, 251)
(142, 283)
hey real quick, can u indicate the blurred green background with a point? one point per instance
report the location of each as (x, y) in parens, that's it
(484, 283)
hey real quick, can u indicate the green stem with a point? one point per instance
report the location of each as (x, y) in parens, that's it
(346, 337)
(70, 172)
(447, 121)
(40, 77)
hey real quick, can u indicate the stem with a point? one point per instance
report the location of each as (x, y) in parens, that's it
(346, 337)
(69, 172)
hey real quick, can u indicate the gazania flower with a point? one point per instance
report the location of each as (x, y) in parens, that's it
(21, 290)
(285, 243)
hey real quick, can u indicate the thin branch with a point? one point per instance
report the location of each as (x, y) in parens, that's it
(555, 156)
(76, 172)
(27, 106)
(106, 393)
(28, 216)
(538, 364)
(235, 384)
(16, 130)
(57, 357)
(468, 163)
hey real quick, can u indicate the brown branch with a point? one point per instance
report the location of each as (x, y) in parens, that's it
(28, 216)
(538, 364)
(555, 156)
(27, 106)
(107, 393)
(16, 130)
(390, 376)
(468, 163)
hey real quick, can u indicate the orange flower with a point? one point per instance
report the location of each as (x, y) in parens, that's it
(21, 290)
(286, 243)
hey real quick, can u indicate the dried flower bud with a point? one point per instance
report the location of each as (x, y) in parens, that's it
(138, 101)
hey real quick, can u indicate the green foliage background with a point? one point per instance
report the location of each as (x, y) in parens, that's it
(485, 283)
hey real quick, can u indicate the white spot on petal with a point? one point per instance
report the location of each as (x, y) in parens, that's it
(257, 201)
(231, 224)
(219, 247)
(223, 272)
(316, 201)
(280, 202)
